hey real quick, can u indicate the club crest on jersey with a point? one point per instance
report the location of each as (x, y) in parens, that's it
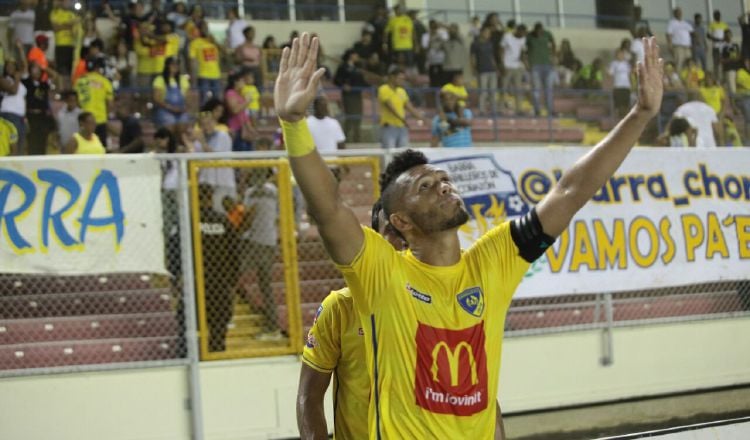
(311, 341)
(472, 300)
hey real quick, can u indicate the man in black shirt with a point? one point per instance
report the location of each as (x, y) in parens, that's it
(220, 268)
(131, 133)
(38, 111)
(351, 80)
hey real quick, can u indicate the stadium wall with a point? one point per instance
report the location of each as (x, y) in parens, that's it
(255, 398)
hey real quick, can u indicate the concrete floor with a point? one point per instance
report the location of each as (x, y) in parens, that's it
(629, 417)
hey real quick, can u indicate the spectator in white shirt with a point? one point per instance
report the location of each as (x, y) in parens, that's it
(701, 116)
(326, 131)
(259, 243)
(210, 140)
(21, 26)
(67, 117)
(679, 37)
(235, 37)
(619, 70)
(512, 48)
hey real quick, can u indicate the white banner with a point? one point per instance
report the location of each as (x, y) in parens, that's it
(667, 217)
(78, 215)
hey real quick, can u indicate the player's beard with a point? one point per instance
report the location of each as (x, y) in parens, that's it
(434, 220)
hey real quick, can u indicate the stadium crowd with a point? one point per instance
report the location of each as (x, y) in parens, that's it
(60, 79)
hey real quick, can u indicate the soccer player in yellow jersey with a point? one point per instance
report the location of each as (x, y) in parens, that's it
(433, 315)
(335, 344)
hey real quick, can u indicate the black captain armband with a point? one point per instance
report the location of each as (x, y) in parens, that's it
(528, 235)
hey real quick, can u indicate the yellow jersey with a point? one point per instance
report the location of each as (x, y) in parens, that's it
(58, 17)
(402, 32)
(8, 136)
(442, 328)
(94, 91)
(714, 96)
(460, 91)
(173, 45)
(398, 99)
(207, 55)
(254, 104)
(149, 57)
(88, 146)
(160, 84)
(336, 343)
(743, 81)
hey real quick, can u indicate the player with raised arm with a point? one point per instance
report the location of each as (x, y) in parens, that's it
(433, 315)
(335, 348)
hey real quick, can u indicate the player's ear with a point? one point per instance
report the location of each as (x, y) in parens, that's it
(401, 222)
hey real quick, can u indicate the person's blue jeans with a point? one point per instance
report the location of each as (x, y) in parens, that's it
(209, 88)
(543, 78)
(394, 137)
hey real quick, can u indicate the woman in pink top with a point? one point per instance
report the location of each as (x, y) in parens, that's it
(239, 123)
(249, 56)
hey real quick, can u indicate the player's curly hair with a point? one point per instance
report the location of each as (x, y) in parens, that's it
(401, 162)
(375, 216)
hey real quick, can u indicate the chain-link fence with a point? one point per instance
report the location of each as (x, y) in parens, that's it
(236, 236)
(55, 322)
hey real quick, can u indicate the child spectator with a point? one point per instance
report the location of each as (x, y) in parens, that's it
(67, 117)
(251, 94)
(452, 127)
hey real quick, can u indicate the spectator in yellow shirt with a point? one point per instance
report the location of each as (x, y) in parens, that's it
(716, 31)
(64, 22)
(400, 29)
(458, 88)
(251, 93)
(713, 94)
(8, 138)
(95, 94)
(206, 64)
(170, 90)
(692, 74)
(394, 102)
(86, 140)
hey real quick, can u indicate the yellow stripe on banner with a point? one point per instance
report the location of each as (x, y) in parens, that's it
(200, 285)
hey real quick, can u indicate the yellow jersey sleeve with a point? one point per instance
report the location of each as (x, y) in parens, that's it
(497, 252)
(369, 273)
(159, 83)
(323, 346)
(384, 94)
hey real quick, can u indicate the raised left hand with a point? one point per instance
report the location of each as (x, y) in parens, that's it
(650, 83)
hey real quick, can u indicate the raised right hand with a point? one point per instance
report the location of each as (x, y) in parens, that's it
(297, 82)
